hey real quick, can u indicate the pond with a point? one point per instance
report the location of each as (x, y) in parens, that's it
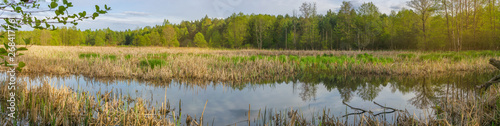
(228, 104)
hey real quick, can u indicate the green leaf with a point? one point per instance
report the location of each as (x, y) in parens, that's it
(97, 8)
(62, 9)
(95, 15)
(22, 49)
(21, 64)
(53, 5)
(2, 50)
(83, 14)
(6, 46)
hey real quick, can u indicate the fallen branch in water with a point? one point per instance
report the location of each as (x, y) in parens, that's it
(387, 107)
(364, 111)
(493, 80)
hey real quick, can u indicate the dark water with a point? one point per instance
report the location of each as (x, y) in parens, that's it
(309, 94)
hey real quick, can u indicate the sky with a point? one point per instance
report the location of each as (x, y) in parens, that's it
(133, 14)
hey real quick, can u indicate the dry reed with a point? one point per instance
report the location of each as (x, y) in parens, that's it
(226, 65)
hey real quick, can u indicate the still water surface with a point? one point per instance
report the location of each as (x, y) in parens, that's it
(229, 104)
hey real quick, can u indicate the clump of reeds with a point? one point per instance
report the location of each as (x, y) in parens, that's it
(470, 108)
(88, 55)
(47, 105)
(152, 63)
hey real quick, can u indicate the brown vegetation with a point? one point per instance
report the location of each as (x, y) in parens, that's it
(229, 65)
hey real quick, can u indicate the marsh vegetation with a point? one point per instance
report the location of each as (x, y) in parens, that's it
(239, 66)
(417, 80)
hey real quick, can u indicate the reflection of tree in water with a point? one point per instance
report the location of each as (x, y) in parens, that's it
(427, 89)
(424, 95)
(368, 91)
(307, 91)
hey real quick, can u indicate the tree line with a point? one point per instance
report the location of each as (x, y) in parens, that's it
(427, 25)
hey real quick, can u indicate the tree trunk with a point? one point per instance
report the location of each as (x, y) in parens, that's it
(286, 38)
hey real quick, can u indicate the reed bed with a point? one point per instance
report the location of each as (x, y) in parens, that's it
(157, 63)
(47, 105)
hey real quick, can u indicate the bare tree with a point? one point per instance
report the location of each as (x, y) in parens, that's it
(424, 8)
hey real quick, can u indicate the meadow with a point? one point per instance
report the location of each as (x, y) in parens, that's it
(239, 66)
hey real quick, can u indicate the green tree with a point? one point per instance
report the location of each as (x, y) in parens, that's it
(236, 31)
(368, 25)
(200, 41)
(309, 22)
(169, 34)
(155, 38)
(424, 8)
(345, 26)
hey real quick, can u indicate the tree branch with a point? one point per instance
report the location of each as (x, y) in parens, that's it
(493, 80)
(364, 111)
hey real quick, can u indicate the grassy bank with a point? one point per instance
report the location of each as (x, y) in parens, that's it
(155, 63)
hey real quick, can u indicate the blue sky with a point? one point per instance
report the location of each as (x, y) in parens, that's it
(132, 14)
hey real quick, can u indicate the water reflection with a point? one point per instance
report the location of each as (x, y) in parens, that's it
(228, 103)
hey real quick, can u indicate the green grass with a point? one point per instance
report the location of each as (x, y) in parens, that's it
(152, 63)
(457, 56)
(109, 57)
(88, 55)
(441, 56)
(165, 55)
(318, 63)
(407, 56)
(128, 56)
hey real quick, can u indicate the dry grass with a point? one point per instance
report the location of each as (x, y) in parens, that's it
(46, 105)
(226, 65)
(470, 108)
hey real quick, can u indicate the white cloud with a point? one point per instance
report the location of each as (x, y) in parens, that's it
(135, 13)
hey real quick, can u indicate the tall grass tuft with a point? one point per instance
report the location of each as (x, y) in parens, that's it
(152, 63)
(88, 55)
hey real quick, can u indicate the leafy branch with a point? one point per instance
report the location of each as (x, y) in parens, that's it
(4, 54)
(25, 10)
